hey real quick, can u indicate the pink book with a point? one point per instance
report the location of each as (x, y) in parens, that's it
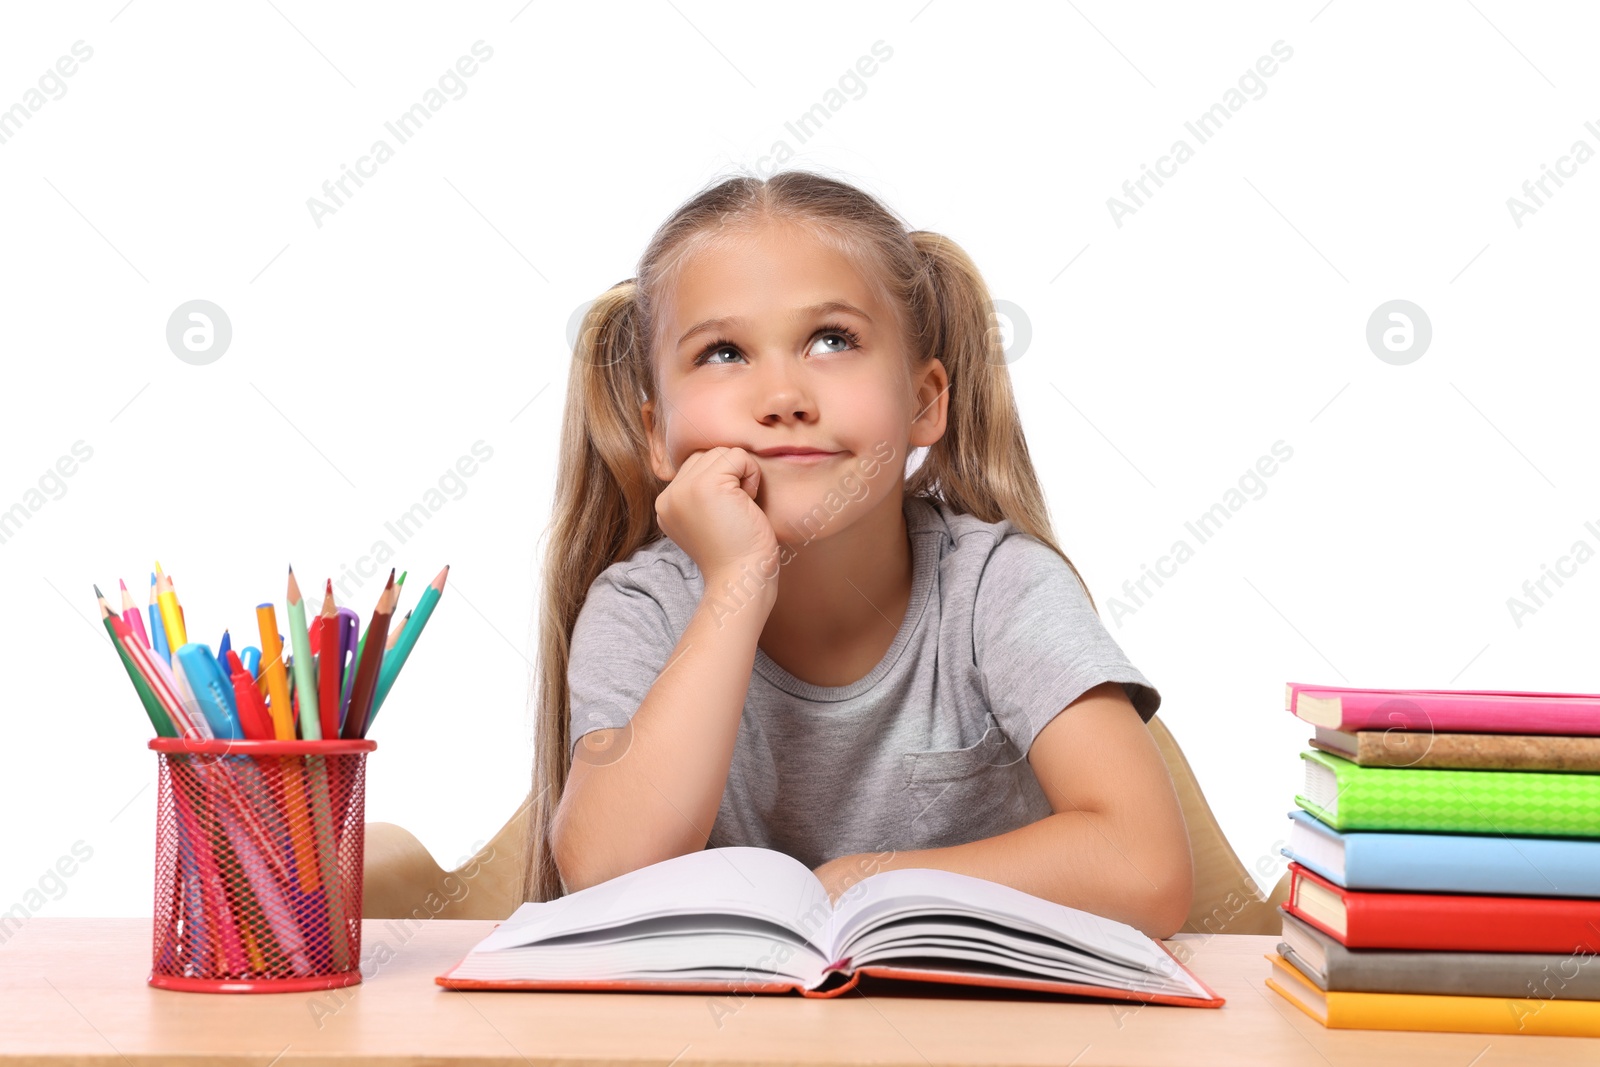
(1453, 710)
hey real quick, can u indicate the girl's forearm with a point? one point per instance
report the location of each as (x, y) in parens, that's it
(658, 797)
(1078, 858)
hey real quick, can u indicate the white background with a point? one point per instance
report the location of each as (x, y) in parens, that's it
(431, 311)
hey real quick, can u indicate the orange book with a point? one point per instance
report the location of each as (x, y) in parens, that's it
(1550, 1014)
(754, 920)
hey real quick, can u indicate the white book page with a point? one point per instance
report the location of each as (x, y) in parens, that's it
(753, 882)
(1113, 948)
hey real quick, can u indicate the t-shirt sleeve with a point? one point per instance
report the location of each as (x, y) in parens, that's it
(1039, 644)
(620, 642)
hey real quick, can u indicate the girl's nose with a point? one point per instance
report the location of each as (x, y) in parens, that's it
(785, 394)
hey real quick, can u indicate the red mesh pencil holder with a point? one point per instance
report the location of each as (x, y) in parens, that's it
(258, 865)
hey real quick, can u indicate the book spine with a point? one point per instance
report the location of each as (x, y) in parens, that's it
(1509, 752)
(1457, 801)
(1429, 922)
(1557, 1017)
(1470, 974)
(1470, 863)
(1464, 711)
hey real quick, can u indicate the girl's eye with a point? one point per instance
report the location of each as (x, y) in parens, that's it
(840, 331)
(721, 345)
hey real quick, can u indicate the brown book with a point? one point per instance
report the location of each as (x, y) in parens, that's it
(1500, 752)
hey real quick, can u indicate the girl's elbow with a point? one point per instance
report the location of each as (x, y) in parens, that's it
(564, 853)
(1168, 900)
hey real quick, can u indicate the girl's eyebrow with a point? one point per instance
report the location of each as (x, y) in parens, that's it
(827, 308)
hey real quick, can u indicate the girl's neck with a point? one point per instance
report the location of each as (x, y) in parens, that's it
(842, 597)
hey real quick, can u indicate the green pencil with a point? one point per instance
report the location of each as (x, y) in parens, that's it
(305, 681)
(147, 696)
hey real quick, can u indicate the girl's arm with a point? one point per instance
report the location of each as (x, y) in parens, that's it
(658, 797)
(1117, 844)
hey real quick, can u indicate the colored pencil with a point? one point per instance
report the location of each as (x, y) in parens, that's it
(366, 672)
(158, 632)
(152, 704)
(408, 641)
(273, 672)
(171, 620)
(394, 635)
(132, 615)
(329, 666)
(305, 679)
(185, 717)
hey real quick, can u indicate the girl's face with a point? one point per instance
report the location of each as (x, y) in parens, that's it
(773, 340)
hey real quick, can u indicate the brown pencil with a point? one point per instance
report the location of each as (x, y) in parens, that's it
(355, 718)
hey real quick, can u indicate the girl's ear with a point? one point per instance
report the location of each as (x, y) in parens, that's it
(932, 404)
(658, 451)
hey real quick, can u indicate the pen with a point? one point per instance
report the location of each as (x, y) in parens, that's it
(212, 691)
(348, 625)
(252, 713)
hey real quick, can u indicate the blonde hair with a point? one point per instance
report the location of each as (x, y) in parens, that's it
(605, 489)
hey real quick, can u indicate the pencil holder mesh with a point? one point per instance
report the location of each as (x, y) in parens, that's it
(258, 865)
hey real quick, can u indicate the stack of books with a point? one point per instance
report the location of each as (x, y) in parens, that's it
(1445, 862)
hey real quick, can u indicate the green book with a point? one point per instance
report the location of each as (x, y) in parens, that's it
(1348, 796)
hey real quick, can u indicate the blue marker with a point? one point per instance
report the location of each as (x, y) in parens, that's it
(250, 656)
(212, 689)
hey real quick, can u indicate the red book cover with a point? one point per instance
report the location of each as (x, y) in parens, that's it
(1452, 922)
(953, 977)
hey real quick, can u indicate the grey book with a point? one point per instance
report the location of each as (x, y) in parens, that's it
(1332, 967)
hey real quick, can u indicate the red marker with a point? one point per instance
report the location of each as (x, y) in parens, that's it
(252, 710)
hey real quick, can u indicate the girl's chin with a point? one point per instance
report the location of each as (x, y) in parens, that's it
(799, 517)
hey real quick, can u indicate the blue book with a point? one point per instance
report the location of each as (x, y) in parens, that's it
(1487, 864)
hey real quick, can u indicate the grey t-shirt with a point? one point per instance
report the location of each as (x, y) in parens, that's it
(929, 748)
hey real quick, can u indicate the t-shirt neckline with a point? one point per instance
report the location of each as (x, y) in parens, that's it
(924, 537)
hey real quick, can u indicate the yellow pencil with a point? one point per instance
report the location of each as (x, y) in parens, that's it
(171, 616)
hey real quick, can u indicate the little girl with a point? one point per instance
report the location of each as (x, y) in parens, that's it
(761, 626)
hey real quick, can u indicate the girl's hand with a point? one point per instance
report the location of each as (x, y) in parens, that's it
(709, 510)
(842, 872)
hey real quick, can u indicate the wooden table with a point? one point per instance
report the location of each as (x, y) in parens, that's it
(74, 991)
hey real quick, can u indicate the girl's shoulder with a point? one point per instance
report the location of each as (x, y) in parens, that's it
(659, 569)
(974, 542)
(994, 565)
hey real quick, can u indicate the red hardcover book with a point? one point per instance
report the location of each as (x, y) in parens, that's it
(1468, 711)
(1445, 922)
(742, 920)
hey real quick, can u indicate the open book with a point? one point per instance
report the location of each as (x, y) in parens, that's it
(755, 920)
